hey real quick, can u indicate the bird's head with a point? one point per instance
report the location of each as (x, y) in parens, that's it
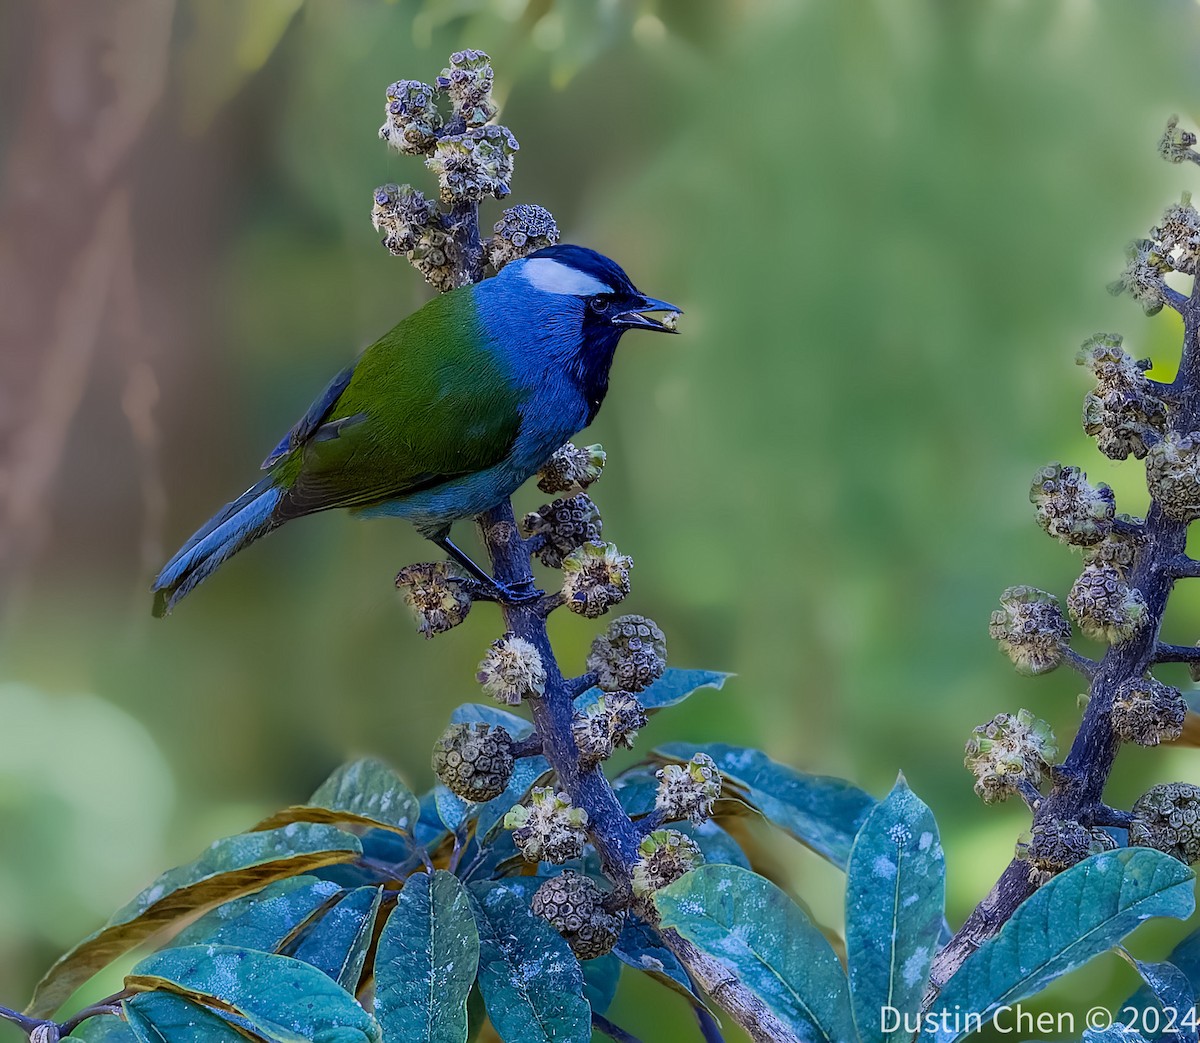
(593, 287)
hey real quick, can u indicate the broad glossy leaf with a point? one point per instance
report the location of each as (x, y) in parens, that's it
(426, 962)
(104, 1028)
(429, 828)
(527, 773)
(264, 920)
(365, 792)
(163, 1017)
(640, 946)
(1167, 994)
(451, 808)
(478, 713)
(230, 867)
(601, 977)
(717, 846)
(669, 690)
(280, 998)
(895, 897)
(1075, 916)
(531, 982)
(823, 812)
(636, 790)
(337, 943)
(756, 930)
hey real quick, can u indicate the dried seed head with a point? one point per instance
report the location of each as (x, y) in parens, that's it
(1177, 235)
(688, 790)
(574, 906)
(1008, 750)
(595, 577)
(1142, 276)
(1105, 606)
(512, 670)
(1123, 414)
(1030, 629)
(612, 720)
(571, 469)
(1058, 844)
(1176, 145)
(402, 214)
(1167, 818)
(412, 120)
(436, 594)
(564, 525)
(521, 230)
(1173, 476)
(629, 656)
(664, 855)
(1146, 711)
(1118, 549)
(468, 81)
(474, 164)
(475, 761)
(1069, 508)
(549, 828)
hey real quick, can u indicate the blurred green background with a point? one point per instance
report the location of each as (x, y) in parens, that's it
(890, 223)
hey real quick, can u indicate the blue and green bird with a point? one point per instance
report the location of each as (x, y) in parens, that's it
(444, 416)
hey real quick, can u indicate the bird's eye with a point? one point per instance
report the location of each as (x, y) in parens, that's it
(599, 304)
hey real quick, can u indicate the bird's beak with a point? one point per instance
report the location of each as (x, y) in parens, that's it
(636, 317)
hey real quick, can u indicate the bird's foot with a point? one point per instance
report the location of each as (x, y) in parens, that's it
(516, 593)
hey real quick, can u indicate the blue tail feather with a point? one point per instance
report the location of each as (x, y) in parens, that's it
(236, 525)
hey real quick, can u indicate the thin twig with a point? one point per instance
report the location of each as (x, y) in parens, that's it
(601, 1024)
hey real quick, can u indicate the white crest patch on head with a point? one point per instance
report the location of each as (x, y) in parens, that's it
(551, 276)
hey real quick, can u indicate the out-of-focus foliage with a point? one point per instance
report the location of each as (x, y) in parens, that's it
(891, 224)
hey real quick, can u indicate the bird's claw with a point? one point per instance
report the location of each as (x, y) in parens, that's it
(517, 594)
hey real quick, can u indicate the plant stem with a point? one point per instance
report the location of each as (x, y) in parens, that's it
(1079, 783)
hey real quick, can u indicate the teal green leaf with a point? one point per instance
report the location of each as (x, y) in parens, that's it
(1075, 916)
(531, 982)
(478, 713)
(669, 690)
(104, 1028)
(230, 867)
(426, 962)
(526, 774)
(824, 813)
(163, 1017)
(1158, 1005)
(895, 897)
(264, 920)
(601, 977)
(365, 792)
(636, 790)
(279, 997)
(451, 808)
(751, 926)
(338, 942)
(717, 846)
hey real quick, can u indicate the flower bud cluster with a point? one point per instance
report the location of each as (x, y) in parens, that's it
(1058, 844)
(1123, 414)
(1146, 711)
(688, 790)
(664, 856)
(629, 656)
(1176, 145)
(1177, 235)
(468, 82)
(521, 230)
(1119, 549)
(414, 228)
(436, 593)
(474, 164)
(595, 577)
(571, 469)
(564, 526)
(1030, 629)
(549, 828)
(1105, 606)
(1173, 476)
(574, 906)
(512, 671)
(1142, 276)
(1009, 750)
(474, 761)
(613, 720)
(412, 119)
(1167, 818)
(1069, 508)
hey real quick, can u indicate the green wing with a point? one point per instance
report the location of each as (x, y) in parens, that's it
(427, 403)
